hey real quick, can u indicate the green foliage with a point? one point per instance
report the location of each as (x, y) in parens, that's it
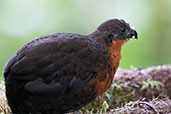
(121, 95)
(108, 96)
(151, 84)
(99, 106)
(1, 82)
(105, 106)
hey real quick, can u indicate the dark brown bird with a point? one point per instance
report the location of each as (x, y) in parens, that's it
(63, 72)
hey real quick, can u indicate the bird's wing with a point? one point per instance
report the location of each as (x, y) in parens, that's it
(53, 64)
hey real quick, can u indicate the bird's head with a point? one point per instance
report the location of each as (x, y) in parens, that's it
(117, 30)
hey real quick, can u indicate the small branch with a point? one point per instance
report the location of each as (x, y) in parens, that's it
(149, 106)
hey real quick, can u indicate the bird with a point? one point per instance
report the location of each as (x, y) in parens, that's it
(62, 72)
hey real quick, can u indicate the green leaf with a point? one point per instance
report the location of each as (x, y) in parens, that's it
(108, 96)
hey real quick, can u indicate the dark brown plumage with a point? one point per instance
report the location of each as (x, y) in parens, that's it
(63, 72)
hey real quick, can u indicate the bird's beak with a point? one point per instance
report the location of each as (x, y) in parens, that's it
(132, 34)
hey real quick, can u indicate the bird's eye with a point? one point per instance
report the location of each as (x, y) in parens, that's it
(123, 29)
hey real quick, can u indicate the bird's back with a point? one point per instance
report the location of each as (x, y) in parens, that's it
(55, 74)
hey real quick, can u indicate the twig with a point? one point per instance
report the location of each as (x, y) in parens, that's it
(149, 106)
(3, 110)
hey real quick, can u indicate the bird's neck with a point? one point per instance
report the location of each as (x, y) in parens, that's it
(98, 36)
(115, 54)
(114, 48)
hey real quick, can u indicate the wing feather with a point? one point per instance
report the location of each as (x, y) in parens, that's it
(48, 65)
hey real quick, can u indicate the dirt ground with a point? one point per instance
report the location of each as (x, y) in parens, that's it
(150, 90)
(134, 91)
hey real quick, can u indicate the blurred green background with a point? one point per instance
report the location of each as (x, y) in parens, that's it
(23, 20)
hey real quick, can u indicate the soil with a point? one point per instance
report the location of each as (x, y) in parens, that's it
(156, 106)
